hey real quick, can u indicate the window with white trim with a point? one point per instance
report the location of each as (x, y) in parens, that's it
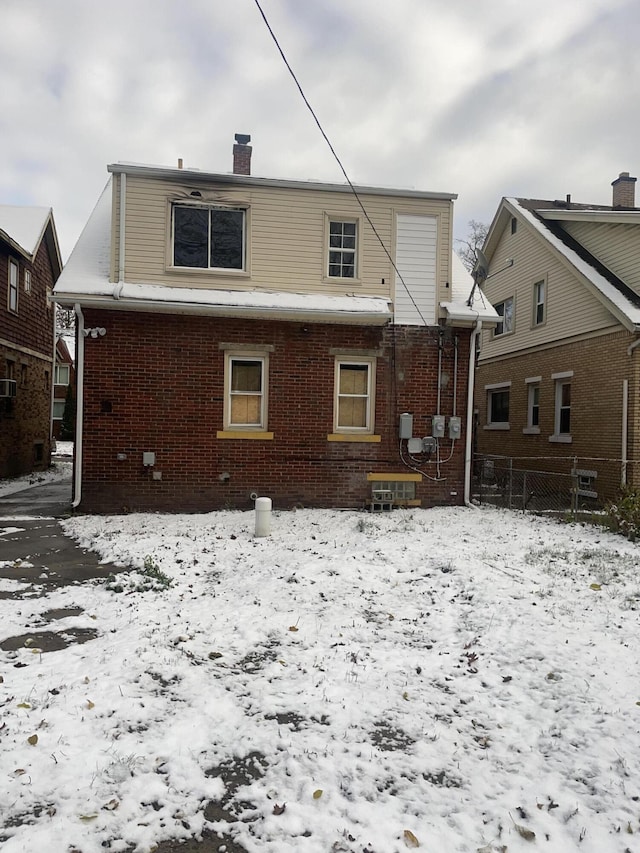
(58, 410)
(245, 391)
(208, 237)
(539, 302)
(27, 281)
(342, 248)
(533, 406)
(12, 298)
(563, 408)
(354, 391)
(505, 324)
(61, 374)
(562, 412)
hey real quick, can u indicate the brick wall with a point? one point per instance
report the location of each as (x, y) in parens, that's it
(26, 347)
(599, 367)
(156, 383)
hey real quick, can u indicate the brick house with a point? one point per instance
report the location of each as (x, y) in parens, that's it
(64, 381)
(558, 379)
(30, 263)
(241, 335)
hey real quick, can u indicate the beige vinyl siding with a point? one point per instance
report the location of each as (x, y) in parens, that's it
(617, 246)
(571, 309)
(285, 240)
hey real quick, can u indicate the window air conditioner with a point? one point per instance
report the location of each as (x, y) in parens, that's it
(8, 387)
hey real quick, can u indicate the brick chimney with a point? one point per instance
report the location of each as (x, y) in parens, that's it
(624, 190)
(242, 155)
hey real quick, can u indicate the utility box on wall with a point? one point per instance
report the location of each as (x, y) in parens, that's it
(406, 425)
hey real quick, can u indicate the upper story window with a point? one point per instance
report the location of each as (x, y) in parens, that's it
(209, 237)
(27, 281)
(62, 374)
(12, 297)
(539, 302)
(342, 249)
(505, 310)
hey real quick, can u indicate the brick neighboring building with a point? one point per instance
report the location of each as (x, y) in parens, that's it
(29, 267)
(241, 335)
(64, 379)
(558, 380)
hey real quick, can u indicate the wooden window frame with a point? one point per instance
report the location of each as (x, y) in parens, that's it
(232, 357)
(345, 361)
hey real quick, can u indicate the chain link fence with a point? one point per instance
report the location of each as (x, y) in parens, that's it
(515, 483)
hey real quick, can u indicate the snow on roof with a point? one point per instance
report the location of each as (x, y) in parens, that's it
(462, 290)
(88, 267)
(605, 286)
(24, 225)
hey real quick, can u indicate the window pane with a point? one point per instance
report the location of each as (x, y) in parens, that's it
(246, 376)
(58, 410)
(227, 232)
(245, 409)
(190, 237)
(352, 412)
(354, 378)
(499, 407)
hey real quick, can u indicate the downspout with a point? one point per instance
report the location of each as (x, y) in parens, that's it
(625, 421)
(77, 470)
(470, 388)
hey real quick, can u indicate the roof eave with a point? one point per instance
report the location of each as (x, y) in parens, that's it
(250, 312)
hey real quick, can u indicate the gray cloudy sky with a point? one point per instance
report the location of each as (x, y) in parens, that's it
(480, 97)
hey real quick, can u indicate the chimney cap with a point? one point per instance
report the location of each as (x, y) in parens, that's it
(243, 138)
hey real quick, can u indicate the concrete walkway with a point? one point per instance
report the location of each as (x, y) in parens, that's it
(33, 545)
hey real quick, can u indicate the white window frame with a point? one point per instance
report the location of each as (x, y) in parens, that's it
(560, 380)
(501, 329)
(347, 361)
(329, 219)
(12, 293)
(60, 404)
(209, 208)
(539, 302)
(533, 386)
(231, 357)
(27, 280)
(60, 369)
(497, 388)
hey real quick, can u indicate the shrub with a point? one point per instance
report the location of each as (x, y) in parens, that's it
(624, 514)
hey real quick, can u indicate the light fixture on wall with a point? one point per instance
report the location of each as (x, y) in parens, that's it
(98, 331)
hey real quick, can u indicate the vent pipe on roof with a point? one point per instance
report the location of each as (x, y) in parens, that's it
(624, 190)
(242, 154)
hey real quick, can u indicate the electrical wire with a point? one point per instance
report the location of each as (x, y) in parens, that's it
(337, 159)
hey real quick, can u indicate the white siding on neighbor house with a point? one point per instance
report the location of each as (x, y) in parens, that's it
(615, 245)
(417, 263)
(285, 240)
(571, 308)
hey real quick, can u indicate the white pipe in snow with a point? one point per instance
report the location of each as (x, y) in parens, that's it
(263, 516)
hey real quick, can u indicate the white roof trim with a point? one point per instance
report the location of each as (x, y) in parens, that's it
(621, 306)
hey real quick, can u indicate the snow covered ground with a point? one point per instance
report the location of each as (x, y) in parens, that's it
(453, 679)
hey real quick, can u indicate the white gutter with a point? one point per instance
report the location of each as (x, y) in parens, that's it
(121, 238)
(77, 467)
(625, 419)
(470, 387)
(255, 312)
